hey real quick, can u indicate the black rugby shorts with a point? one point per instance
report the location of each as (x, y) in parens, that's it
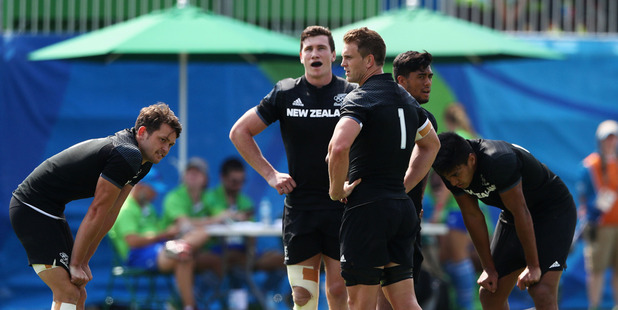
(310, 232)
(554, 235)
(45, 239)
(377, 233)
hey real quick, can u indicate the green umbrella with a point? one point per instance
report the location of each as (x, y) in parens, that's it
(174, 34)
(445, 37)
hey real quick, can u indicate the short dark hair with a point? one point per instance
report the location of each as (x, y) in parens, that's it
(411, 61)
(368, 42)
(314, 31)
(231, 164)
(454, 151)
(153, 116)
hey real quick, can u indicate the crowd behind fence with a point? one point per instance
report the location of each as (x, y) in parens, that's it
(572, 17)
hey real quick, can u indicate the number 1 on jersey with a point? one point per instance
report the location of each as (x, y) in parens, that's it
(402, 125)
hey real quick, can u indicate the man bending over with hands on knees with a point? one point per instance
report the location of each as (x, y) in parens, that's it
(106, 169)
(535, 230)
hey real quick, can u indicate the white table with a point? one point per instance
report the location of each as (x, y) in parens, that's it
(433, 229)
(257, 229)
(245, 229)
(248, 229)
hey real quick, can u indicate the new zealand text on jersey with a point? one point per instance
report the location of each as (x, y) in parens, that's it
(313, 112)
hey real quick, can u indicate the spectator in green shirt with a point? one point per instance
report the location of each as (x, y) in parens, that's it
(185, 207)
(187, 200)
(227, 203)
(139, 239)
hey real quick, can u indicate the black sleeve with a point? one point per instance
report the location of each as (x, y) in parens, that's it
(267, 109)
(505, 172)
(143, 171)
(122, 165)
(423, 115)
(352, 109)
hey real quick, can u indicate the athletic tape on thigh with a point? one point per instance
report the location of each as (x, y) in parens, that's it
(63, 306)
(307, 278)
(41, 267)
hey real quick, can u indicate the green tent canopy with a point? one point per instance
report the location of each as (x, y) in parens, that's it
(446, 38)
(174, 34)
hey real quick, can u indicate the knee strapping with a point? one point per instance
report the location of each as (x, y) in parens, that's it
(395, 274)
(364, 276)
(63, 306)
(307, 278)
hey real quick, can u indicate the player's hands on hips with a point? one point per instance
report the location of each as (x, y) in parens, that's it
(283, 183)
(489, 280)
(348, 188)
(80, 275)
(528, 277)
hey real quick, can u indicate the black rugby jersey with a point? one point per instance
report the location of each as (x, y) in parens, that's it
(307, 117)
(73, 173)
(500, 166)
(380, 155)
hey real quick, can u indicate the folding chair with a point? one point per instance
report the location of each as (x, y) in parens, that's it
(134, 281)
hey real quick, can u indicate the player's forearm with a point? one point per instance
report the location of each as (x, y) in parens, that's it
(525, 232)
(421, 161)
(95, 243)
(338, 164)
(475, 224)
(109, 222)
(87, 237)
(105, 217)
(112, 215)
(250, 151)
(338, 156)
(423, 155)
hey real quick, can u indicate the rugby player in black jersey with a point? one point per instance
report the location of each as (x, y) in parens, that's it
(106, 169)
(307, 109)
(535, 230)
(372, 147)
(412, 70)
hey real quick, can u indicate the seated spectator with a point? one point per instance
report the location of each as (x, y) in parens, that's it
(142, 243)
(227, 203)
(190, 206)
(184, 206)
(187, 200)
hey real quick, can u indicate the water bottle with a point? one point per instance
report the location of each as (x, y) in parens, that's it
(266, 211)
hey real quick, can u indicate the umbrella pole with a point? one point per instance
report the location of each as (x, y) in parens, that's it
(183, 110)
